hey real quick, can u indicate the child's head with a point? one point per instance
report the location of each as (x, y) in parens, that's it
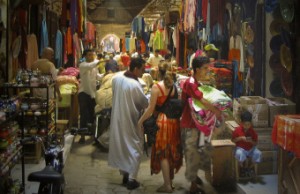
(246, 119)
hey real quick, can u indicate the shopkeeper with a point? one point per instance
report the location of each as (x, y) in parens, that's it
(46, 67)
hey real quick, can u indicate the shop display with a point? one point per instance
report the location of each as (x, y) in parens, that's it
(10, 148)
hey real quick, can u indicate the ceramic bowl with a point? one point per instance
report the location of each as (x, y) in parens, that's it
(34, 106)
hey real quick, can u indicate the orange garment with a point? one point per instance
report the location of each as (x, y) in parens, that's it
(168, 143)
(235, 54)
(143, 46)
(69, 41)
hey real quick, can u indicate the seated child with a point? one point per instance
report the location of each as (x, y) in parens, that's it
(245, 139)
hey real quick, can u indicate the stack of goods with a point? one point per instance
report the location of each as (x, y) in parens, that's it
(68, 85)
(206, 120)
(256, 105)
(10, 149)
(221, 76)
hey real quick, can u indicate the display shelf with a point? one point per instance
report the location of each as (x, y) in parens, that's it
(9, 118)
(29, 118)
(9, 160)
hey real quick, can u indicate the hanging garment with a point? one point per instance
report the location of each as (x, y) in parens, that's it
(236, 52)
(58, 49)
(32, 51)
(44, 35)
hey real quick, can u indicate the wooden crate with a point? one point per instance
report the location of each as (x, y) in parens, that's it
(32, 152)
(222, 173)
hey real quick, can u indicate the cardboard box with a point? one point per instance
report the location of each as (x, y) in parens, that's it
(263, 130)
(280, 106)
(250, 100)
(265, 143)
(254, 104)
(231, 125)
(268, 164)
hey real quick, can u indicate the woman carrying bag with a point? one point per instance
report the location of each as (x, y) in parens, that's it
(166, 152)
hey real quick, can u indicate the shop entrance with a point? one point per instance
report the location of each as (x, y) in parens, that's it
(110, 43)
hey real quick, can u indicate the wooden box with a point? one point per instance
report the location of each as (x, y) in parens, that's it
(222, 172)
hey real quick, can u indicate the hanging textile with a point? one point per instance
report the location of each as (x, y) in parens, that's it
(208, 23)
(32, 51)
(68, 41)
(189, 15)
(132, 45)
(90, 35)
(73, 11)
(44, 34)
(79, 18)
(158, 42)
(64, 13)
(204, 10)
(23, 50)
(58, 49)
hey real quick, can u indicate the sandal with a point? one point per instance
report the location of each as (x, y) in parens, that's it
(163, 189)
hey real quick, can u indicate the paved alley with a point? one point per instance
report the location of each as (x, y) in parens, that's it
(86, 172)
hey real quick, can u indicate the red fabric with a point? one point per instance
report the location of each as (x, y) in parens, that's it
(239, 131)
(204, 10)
(90, 35)
(286, 133)
(125, 60)
(190, 89)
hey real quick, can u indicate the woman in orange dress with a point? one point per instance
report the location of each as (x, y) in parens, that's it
(166, 154)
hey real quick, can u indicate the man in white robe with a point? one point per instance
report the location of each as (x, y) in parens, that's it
(126, 139)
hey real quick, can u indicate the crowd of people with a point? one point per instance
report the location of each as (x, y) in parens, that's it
(121, 74)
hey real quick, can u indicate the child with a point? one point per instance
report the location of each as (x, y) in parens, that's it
(245, 139)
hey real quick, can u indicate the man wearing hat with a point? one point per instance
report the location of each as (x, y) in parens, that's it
(211, 51)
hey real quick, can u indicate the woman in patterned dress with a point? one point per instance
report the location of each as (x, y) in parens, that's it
(166, 154)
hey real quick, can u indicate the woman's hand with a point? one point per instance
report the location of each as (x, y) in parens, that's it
(140, 124)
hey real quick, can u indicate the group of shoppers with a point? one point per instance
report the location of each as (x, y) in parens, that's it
(126, 139)
(174, 136)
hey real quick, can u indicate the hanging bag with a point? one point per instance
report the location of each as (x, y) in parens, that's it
(172, 107)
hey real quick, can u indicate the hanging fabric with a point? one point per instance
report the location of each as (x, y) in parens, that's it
(58, 49)
(44, 33)
(32, 51)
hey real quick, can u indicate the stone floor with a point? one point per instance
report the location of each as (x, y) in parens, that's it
(86, 172)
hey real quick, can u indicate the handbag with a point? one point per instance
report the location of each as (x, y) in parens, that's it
(172, 107)
(150, 129)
